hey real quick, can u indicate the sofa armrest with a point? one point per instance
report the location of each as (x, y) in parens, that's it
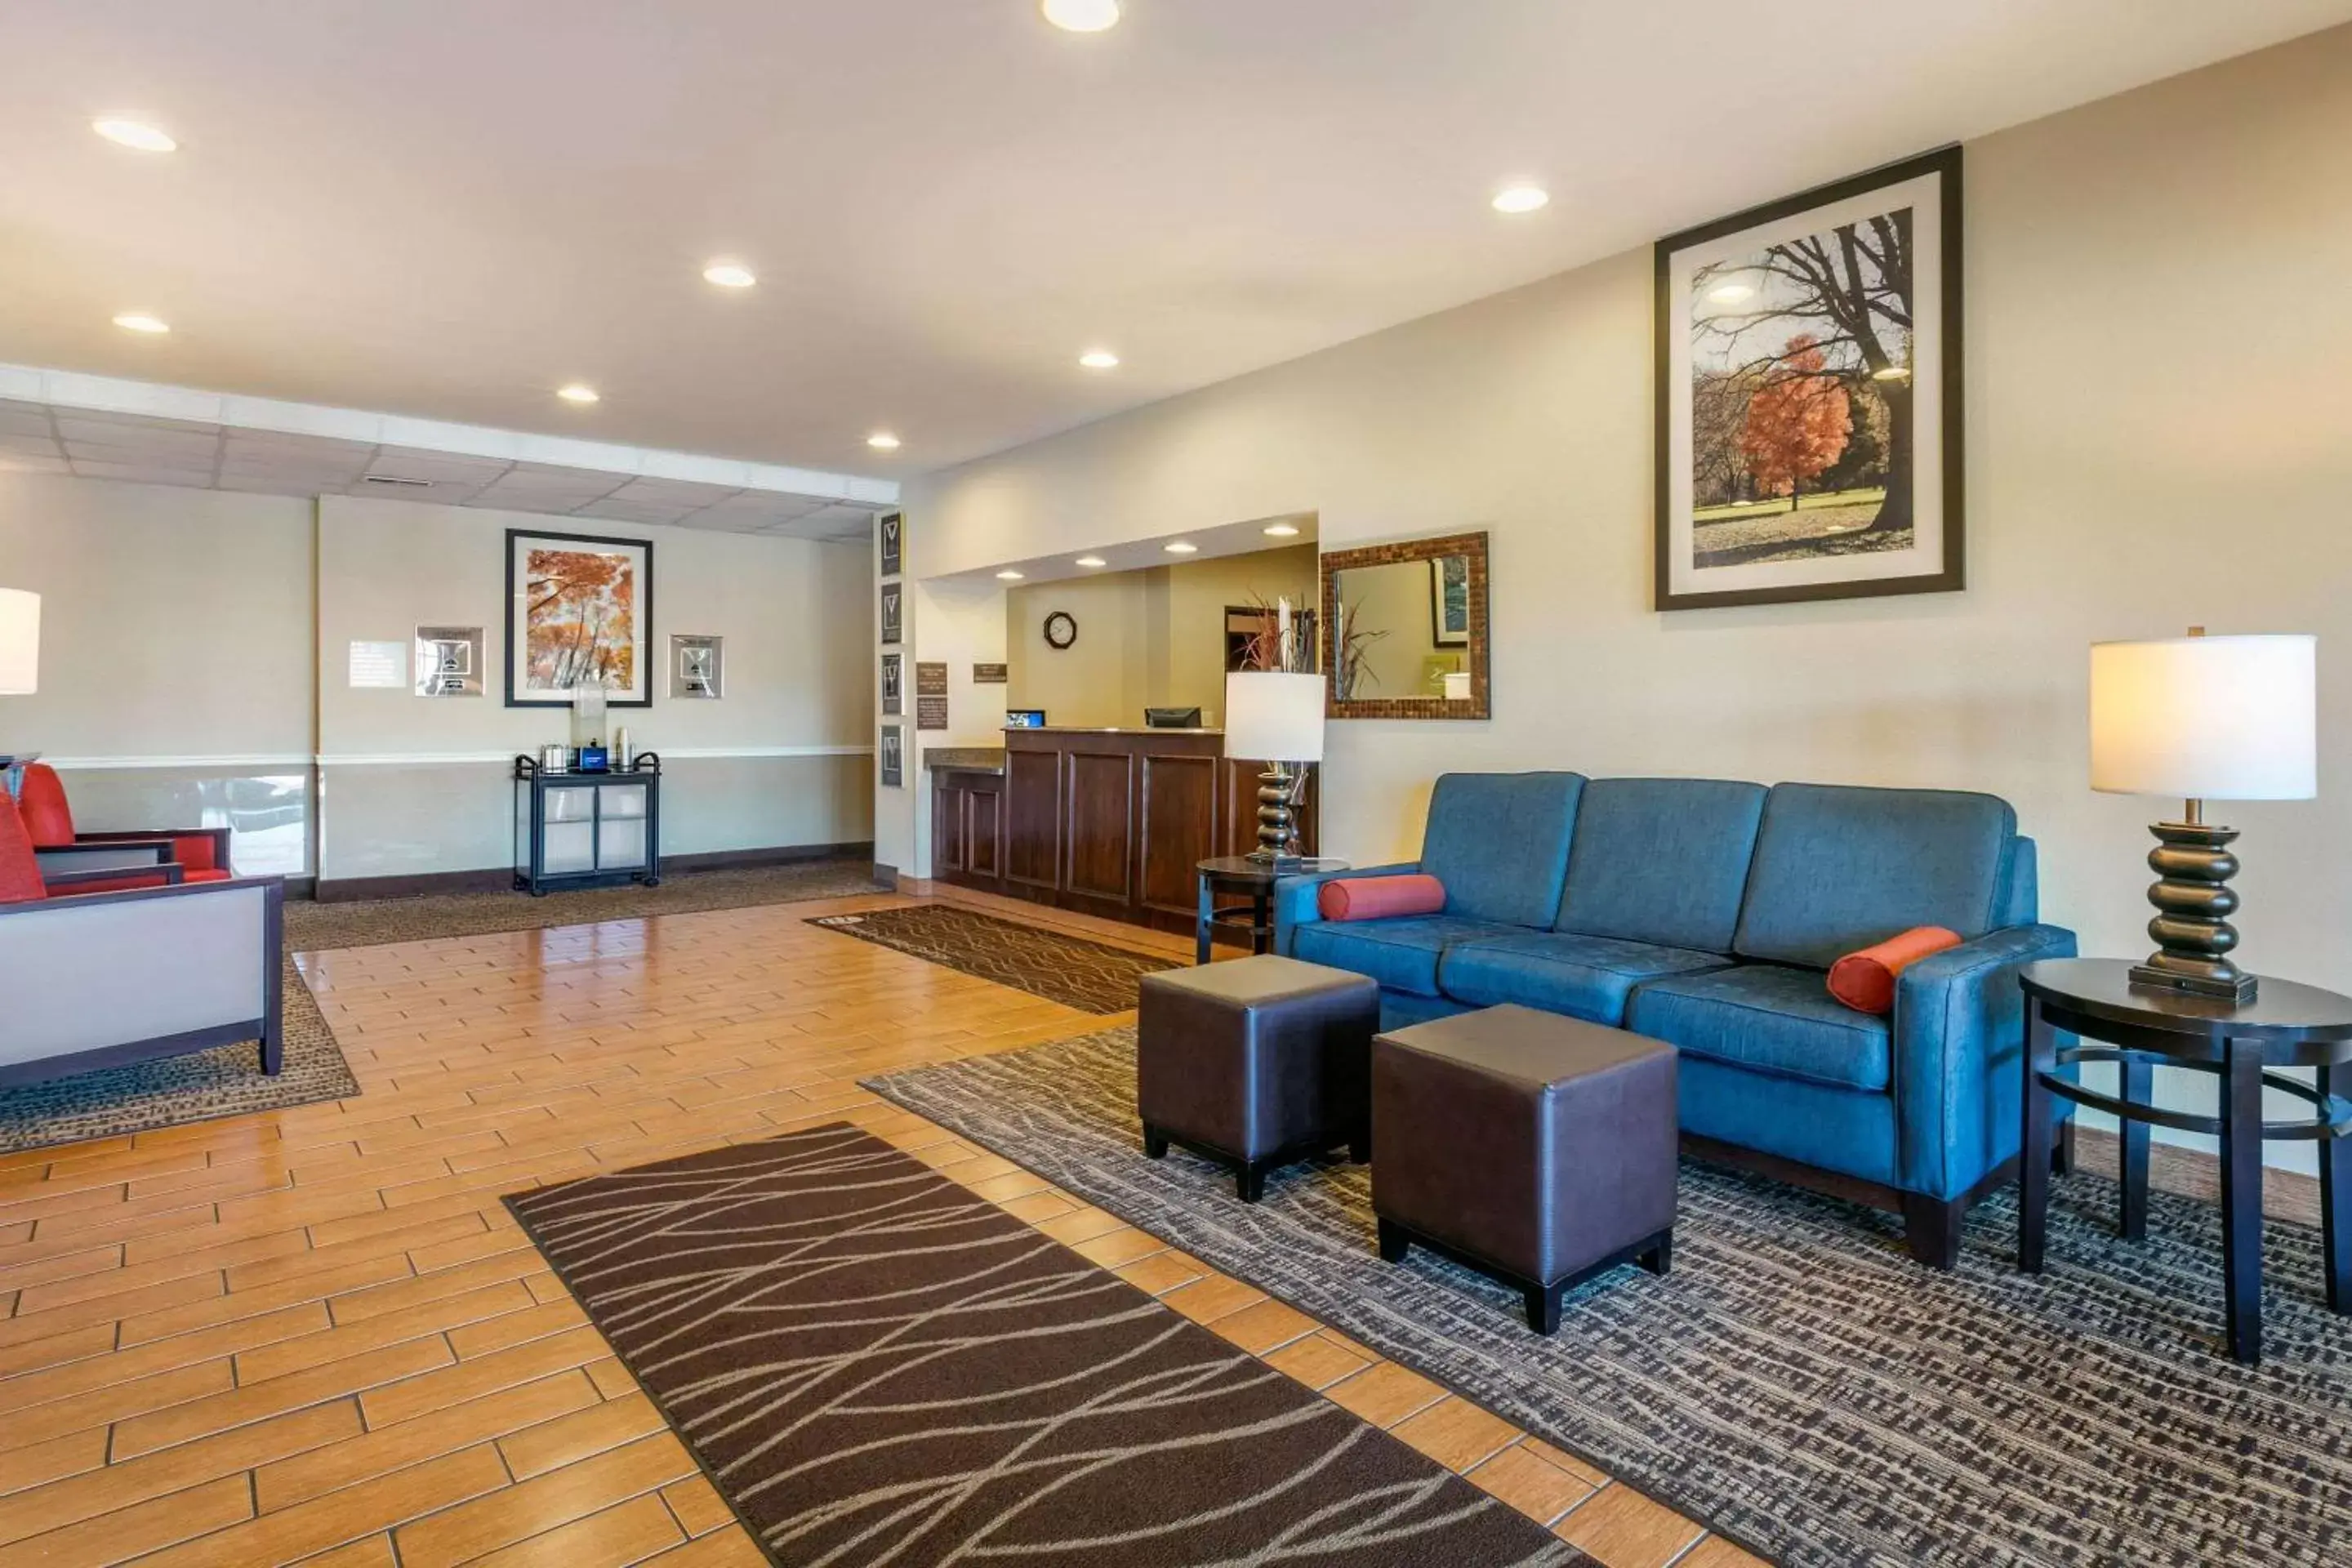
(1958, 1035)
(1295, 897)
(107, 977)
(216, 838)
(113, 879)
(110, 854)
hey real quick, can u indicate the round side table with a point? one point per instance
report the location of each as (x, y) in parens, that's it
(2285, 1025)
(1239, 874)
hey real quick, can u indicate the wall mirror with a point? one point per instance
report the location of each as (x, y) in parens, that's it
(1404, 630)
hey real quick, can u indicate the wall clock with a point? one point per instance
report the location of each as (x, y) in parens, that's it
(1061, 629)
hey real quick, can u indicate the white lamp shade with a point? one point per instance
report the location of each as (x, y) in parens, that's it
(2206, 718)
(20, 642)
(1273, 717)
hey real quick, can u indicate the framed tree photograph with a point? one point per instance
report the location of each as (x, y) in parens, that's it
(579, 610)
(1809, 395)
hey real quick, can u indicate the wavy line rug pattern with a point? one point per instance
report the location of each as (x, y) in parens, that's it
(1796, 1384)
(877, 1366)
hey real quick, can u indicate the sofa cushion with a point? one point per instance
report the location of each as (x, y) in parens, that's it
(1401, 955)
(1839, 867)
(1499, 843)
(1767, 1019)
(1586, 977)
(1661, 860)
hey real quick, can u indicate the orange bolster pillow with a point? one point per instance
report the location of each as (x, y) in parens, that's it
(1864, 981)
(1381, 898)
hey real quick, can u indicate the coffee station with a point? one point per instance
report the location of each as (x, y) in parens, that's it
(587, 814)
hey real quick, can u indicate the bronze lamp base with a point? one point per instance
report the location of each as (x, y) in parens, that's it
(2193, 901)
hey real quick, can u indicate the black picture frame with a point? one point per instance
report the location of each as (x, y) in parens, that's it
(893, 530)
(1934, 567)
(892, 627)
(893, 682)
(515, 612)
(893, 756)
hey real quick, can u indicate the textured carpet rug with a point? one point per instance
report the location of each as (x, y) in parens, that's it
(1089, 975)
(875, 1365)
(228, 1081)
(1797, 1383)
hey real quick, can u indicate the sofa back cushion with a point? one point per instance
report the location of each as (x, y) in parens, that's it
(48, 817)
(1661, 860)
(1499, 843)
(1839, 867)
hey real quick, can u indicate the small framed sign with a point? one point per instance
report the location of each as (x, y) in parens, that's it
(930, 712)
(893, 680)
(894, 543)
(930, 679)
(449, 661)
(698, 666)
(894, 756)
(991, 674)
(890, 622)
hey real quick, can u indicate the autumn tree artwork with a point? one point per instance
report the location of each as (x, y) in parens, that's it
(579, 617)
(1808, 359)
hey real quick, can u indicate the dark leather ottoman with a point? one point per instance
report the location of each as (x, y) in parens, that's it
(1256, 1062)
(1535, 1148)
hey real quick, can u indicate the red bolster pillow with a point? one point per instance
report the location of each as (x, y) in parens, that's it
(1864, 981)
(1381, 898)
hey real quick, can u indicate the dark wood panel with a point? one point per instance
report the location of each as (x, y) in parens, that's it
(983, 833)
(1033, 818)
(1179, 828)
(1100, 851)
(948, 845)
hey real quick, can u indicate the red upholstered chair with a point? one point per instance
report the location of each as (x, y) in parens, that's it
(151, 967)
(201, 853)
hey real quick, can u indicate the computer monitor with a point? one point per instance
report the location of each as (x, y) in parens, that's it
(1172, 718)
(1025, 718)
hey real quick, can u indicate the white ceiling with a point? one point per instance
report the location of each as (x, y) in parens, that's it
(447, 209)
(142, 449)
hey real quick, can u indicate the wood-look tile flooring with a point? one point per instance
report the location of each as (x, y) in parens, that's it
(316, 1336)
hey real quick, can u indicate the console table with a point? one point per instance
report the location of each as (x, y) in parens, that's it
(586, 829)
(2285, 1025)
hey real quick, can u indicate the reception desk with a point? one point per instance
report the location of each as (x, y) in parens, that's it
(1103, 822)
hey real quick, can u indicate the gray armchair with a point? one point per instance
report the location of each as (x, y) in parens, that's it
(100, 980)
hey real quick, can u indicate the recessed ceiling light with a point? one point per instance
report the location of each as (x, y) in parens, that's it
(1281, 530)
(1730, 293)
(883, 441)
(576, 393)
(1092, 561)
(135, 134)
(1179, 547)
(134, 321)
(1010, 575)
(729, 275)
(1099, 359)
(1520, 198)
(1081, 16)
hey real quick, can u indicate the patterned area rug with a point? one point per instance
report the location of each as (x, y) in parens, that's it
(229, 1082)
(1088, 975)
(1798, 1384)
(876, 1365)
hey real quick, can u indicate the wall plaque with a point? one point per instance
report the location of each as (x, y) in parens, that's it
(449, 661)
(991, 674)
(893, 757)
(893, 700)
(891, 611)
(930, 679)
(930, 712)
(381, 665)
(698, 665)
(894, 543)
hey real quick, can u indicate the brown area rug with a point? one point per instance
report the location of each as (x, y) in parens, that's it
(1796, 1384)
(1089, 975)
(207, 1085)
(875, 1365)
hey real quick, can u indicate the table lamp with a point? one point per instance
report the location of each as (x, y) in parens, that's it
(20, 661)
(2202, 717)
(1275, 717)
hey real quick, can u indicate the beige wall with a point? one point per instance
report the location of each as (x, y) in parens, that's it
(1153, 637)
(2157, 329)
(796, 618)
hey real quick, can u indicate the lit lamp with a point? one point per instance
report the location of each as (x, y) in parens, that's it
(1275, 717)
(2204, 719)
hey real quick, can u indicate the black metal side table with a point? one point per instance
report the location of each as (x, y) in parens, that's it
(2286, 1024)
(1239, 874)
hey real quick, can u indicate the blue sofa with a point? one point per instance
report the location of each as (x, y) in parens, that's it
(1706, 913)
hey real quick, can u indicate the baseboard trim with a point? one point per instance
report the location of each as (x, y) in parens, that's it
(500, 879)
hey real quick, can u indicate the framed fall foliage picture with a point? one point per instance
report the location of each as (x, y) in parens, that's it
(579, 609)
(1809, 395)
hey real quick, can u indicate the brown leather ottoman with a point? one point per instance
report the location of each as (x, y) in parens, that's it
(1256, 1062)
(1535, 1148)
